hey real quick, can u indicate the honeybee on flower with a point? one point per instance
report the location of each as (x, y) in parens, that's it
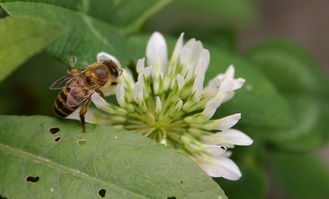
(169, 103)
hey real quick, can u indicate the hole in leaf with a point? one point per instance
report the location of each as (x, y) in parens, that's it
(2, 197)
(172, 197)
(32, 178)
(82, 141)
(182, 182)
(102, 193)
(57, 139)
(54, 130)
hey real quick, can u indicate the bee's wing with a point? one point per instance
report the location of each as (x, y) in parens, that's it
(77, 95)
(61, 82)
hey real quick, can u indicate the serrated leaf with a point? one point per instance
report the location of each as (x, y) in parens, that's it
(289, 67)
(22, 37)
(302, 176)
(44, 162)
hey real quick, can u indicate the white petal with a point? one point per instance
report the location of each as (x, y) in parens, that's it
(180, 81)
(147, 71)
(156, 53)
(158, 105)
(228, 137)
(140, 65)
(138, 91)
(203, 62)
(120, 94)
(200, 71)
(100, 102)
(215, 150)
(92, 116)
(230, 72)
(178, 105)
(222, 167)
(191, 52)
(238, 83)
(223, 123)
(210, 109)
(178, 48)
(103, 56)
(212, 88)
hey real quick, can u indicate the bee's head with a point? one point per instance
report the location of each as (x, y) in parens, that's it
(115, 71)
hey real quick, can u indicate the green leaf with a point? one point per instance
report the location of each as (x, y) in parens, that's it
(72, 164)
(132, 14)
(22, 37)
(302, 176)
(311, 129)
(204, 14)
(91, 25)
(289, 67)
(252, 185)
(86, 36)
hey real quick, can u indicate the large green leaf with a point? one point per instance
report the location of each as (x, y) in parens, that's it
(302, 176)
(128, 14)
(70, 164)
(91, 24)
(289, 67)
(86, 36)
(22, 37)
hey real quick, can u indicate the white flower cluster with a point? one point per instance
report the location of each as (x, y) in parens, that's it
(169, 103)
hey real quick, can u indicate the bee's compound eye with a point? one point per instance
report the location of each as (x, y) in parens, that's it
(101, 72)
(114, 71)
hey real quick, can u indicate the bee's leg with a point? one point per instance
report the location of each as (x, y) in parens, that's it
(83, 111)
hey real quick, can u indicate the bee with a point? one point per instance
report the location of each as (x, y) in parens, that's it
(78, 87)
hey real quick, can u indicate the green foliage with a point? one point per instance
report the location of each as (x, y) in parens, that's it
(252, 185)
(310, 130)
(290, 68)
(88, 32)
(22, 37)
(284, 103)
(303, 176)
(203, 15)
(71, 164)
(86, 36)
(298, 77)
(259, 102)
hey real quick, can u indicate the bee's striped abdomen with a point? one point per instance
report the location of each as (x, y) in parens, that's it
(62, 109)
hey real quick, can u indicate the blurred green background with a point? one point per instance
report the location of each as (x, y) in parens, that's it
(286, 40)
